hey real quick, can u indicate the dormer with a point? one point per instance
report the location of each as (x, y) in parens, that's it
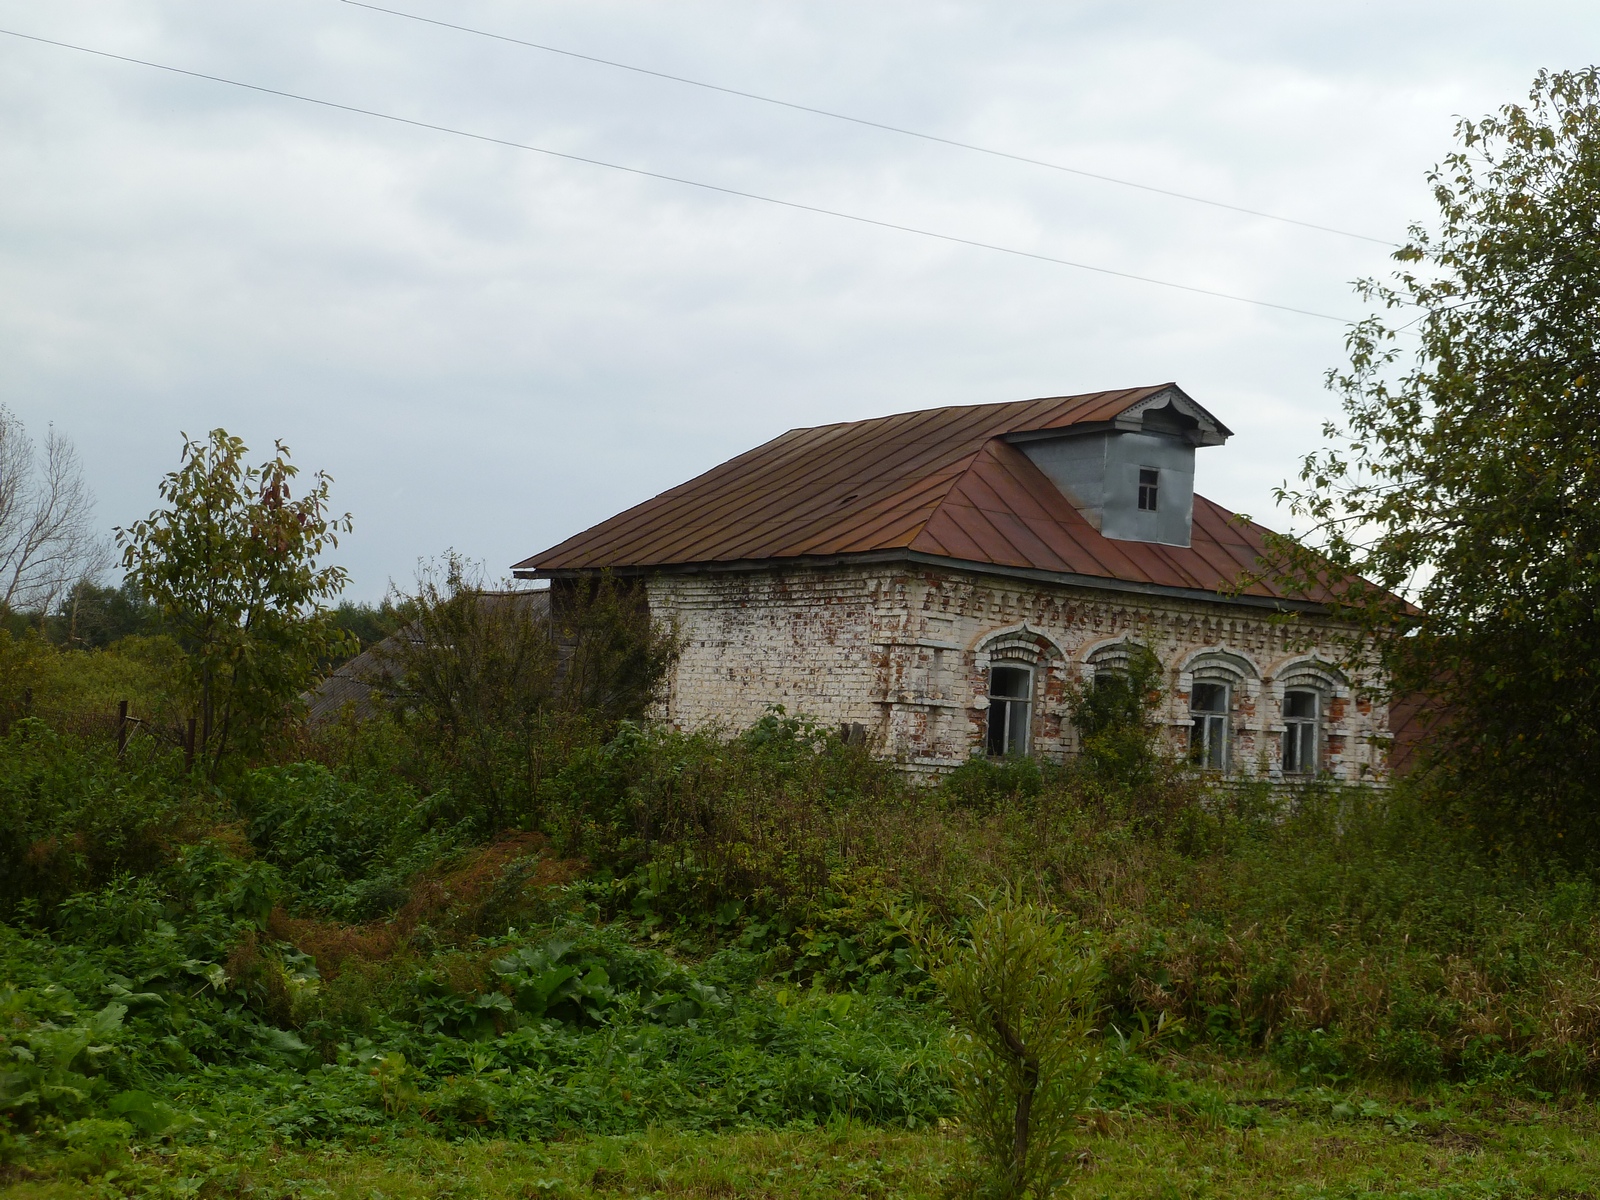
(1131, 475)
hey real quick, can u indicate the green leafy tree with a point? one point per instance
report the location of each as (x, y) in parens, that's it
(369, 624)
(1466, 471)
(615, 655)
(1021, 988)
(92, 617)
(231, 564)
(500, 685)
(1116, 719)
(473, 675)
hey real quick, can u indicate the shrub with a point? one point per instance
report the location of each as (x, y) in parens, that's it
(346, 847)
(1119, 732)
(982, 783)
(52, 1067)
(78, 690)
(71, 817)
(764, 819)
(23, 662)
(1021, 991)
(499, 689)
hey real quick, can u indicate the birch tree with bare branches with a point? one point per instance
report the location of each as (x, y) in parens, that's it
(48, 540)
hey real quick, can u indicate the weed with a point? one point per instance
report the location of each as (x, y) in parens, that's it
(1021, 990)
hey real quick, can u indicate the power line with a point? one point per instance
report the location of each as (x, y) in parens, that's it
(838, 116)
(694, 183)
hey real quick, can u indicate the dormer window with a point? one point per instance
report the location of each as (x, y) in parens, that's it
(1149, 485)
(1130, 473)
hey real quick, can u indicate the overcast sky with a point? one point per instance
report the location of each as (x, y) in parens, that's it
(491, 349)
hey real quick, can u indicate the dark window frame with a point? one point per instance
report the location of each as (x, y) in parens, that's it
(1149, 489)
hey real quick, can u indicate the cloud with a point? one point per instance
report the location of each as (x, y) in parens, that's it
(491, 349)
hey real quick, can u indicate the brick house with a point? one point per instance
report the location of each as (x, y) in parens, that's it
(933, 580)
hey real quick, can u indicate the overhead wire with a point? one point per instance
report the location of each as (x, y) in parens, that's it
(871, 124)
(678, 179)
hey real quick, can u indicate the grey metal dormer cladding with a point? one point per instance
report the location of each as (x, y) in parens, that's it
(1101, 467)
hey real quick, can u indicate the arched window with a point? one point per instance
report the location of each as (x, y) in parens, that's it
(1309, 688)
(1217, 677)
(1010, 709)
(1210, 702)
(1113, 658)
(1017, 659)
(1302, 730)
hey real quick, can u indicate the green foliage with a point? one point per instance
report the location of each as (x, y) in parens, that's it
(476, 681)
(1115, 715)
(24, 665)
(617, 656)
(543, 985)
(1021, 990)
(92, 617)
(702, 823)
(71, 819)
(346, 847)
(1468, 473)
(80, 689)
(231, 566)
(52, 1069)
(369, 624)
(981, 783)
(764, 1058)
(326, 951)
(498, 691)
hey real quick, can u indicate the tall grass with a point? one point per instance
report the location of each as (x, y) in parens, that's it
(700, 933)
(1347, 930)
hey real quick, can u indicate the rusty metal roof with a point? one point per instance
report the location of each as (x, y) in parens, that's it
(940, 483)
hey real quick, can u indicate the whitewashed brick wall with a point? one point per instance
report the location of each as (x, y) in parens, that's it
(905, 651)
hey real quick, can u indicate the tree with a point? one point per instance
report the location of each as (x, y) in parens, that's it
(231, 564)
(1116, 716)
(47, 536)
(1021, 989)
(503, 682)
(369, 624)
(475, 676)
(91, 616)
(615, 657)
(1467, 471)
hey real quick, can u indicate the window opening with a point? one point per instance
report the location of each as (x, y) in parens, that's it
(1010, 707)
(1300, 719)
(1149, 485)
(1208, 730)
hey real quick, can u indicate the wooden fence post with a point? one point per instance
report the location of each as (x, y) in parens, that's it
(122, 727)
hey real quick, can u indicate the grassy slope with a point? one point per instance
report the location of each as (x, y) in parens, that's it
(1369, 1007)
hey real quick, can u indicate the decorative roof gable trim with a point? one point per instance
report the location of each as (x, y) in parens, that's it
(1209, 431)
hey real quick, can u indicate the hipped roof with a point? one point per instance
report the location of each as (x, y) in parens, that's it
(941, 483)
